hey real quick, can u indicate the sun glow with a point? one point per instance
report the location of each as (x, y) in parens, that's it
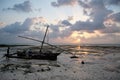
(74, 34)
(75, 37)
(66, 40)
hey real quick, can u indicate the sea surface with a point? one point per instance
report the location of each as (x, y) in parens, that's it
(101, 62)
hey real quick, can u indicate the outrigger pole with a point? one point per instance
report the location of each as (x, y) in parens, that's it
(44, 39)
(44, 43)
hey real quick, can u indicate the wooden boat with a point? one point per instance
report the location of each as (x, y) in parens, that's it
(34, 55)
(47, 55)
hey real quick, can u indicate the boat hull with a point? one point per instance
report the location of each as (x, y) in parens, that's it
(40, 56)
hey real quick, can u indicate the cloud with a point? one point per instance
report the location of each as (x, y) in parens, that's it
(70, 18)
(112, 29)
(62, 28)
(39, 9)
(2, 24)
(105, 39)
(113, 2)
(97, 13)
(66, 23)
(95, 9)
(111, 24)
(115, 17)
(22, 7)
(34, 27)
(56, 32)
(86, 26)
(63, 2)
(19, 27)
(7, 38)
(84, 3)
(40, 20)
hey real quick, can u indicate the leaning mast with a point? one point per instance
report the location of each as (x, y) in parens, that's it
(44, 39)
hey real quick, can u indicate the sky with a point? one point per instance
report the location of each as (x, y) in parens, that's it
(70, 21)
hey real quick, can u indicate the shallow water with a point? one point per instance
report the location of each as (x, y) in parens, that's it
(101, 63)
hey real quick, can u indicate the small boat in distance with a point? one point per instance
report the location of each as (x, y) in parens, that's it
(29, 54)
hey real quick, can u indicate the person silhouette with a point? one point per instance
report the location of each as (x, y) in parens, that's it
(8, 50)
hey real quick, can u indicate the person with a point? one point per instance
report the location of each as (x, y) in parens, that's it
(8, 50)
(28, 53)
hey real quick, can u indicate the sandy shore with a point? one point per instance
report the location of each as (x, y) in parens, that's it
(104, 64)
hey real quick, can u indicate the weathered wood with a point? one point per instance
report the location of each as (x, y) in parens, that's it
(35, 55)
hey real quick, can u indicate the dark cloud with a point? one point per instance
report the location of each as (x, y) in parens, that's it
(66, 23)
(97, 13)
(113, 2)
(87, 26)
(115, 17)
(56, 31)
(55, 28)
(84, 3)
(22, 7)
(18, 27)
(63, 2)
(111, 29)
(95, 9)
(111, 26)
(24, 28)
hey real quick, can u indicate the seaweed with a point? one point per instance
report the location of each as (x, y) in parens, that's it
(27, 71)
(6, 67)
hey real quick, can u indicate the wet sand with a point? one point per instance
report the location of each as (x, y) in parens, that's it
(100, 64)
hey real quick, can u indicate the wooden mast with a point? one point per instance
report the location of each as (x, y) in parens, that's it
(44, 39)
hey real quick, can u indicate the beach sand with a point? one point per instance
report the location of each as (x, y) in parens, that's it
(101, 63)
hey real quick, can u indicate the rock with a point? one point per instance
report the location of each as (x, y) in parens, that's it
(82, 62)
